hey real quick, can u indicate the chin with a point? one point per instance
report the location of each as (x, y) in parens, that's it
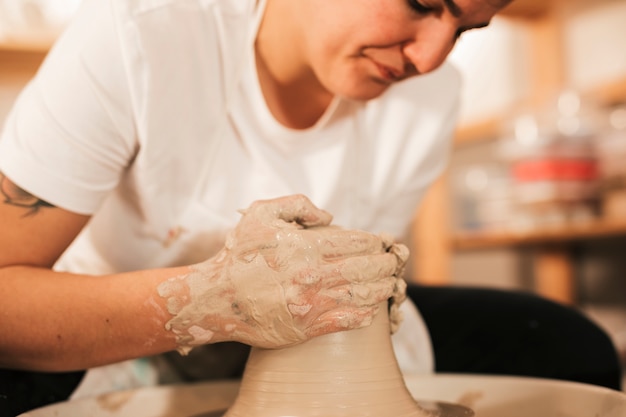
(362, 92)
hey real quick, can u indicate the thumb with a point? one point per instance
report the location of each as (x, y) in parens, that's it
(294, 208)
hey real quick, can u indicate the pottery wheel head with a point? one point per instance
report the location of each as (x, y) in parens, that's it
(431, 409)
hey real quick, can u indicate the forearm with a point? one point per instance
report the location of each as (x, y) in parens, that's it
(282, 278)
(53, 321)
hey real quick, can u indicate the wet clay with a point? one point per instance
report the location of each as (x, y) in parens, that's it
(347, 374)
(314, 301)
(283, 277)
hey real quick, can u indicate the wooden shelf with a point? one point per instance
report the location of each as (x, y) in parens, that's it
(558, 235)
(553, 255)
(611, 93)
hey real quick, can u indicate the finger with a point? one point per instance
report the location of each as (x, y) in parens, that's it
(399, 291)
(294, 208)
(401, 251)
(342, 319)
(361, 295)
(335, 242)
(388, 240)
(368, 268)
(396, 316)
(374, 292)
(349, 270)
(323, 276)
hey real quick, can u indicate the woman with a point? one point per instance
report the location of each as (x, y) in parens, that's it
(151, 124)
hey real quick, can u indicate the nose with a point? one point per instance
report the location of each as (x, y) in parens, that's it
(430, 45)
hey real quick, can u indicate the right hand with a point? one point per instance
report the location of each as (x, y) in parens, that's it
(283, 277)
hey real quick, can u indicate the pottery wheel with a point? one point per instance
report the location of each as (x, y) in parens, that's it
(432, 408)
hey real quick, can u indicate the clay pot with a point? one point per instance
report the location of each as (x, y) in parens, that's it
(348, 374)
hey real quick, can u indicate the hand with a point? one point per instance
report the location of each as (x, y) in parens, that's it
(284, 276)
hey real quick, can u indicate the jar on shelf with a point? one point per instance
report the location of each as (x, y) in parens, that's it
(552, 161)
(482, 197)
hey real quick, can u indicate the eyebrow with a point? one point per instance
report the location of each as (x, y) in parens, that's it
(456, 11)
(454, 8)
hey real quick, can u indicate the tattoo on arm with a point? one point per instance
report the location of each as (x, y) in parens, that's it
(15, 196)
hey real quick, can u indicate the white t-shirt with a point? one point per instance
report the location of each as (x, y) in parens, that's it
(148, 115)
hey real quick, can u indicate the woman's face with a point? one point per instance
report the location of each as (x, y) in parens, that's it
(358, 48)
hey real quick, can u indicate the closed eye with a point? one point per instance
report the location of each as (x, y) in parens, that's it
(464, 29)
(418, 7)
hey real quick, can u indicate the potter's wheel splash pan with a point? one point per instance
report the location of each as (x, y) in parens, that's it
(488, 396)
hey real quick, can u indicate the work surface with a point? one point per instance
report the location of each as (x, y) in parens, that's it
(489, 396)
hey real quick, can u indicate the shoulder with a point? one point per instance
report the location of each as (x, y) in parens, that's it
(163, 10)
(159, 34)
(171, 26)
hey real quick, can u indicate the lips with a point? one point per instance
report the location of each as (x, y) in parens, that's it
(387, 73)
(389, 62)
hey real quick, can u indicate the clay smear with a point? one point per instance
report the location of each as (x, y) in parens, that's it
(278, 282)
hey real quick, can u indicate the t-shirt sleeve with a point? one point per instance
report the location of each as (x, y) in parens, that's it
(70, 135)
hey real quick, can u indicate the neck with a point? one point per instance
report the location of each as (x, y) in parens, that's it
(292, 92)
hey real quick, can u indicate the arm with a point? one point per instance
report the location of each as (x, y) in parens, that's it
(281, 279)
(59, 321)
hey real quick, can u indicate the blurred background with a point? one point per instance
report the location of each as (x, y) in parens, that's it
(535, 195)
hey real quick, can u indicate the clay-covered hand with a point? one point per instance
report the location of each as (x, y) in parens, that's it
(284, 276)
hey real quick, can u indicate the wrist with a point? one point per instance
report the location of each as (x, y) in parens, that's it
(199, 306)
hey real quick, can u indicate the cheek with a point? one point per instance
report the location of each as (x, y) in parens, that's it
(329, 49)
